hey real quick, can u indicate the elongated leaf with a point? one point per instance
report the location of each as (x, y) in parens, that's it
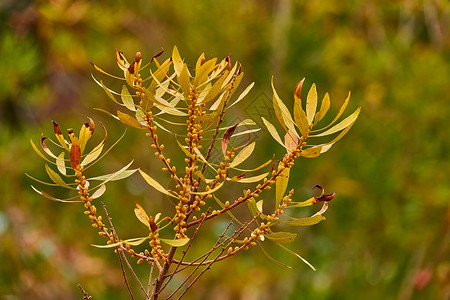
(259, 205)
(281, 185)
(185, 150)
(305, 221)
(75, 153)
(228, 212)
(210, 191)
(295, 254)
(201, 73)
(67, 200)
(290, 141)
(282, 112)
(60, 164)
(258, 167)
(339, 114)
(323, 108)
(142, 215)
(123, 175)
(300, 118)
(252, 179)
(243, 94)
(115, 175)
(92, 155)
(110, 95)
(308, 202)
(311, 152)
(226, 139)
(271, 258)
(39, 152)
(127, 99)
(175, 243)
(153, 183)
(281, 237)
(56, 178)
(343, 124)
(184, 81)
(311, 103)
(272, 131)
(243, 155)
(251, 203)
(129, 120)
(99, 192)
(177, 61)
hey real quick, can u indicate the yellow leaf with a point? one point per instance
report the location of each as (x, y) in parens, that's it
(272, 131)
(311, 104)
(129, 120)
(243, 155)
(156, 185)
(323, 109)
(281, 185)
(343, 124)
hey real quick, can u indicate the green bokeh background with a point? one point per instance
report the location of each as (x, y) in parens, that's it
(387, 232)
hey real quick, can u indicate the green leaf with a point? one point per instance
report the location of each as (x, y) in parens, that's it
(243, 155)
(272, 131)
(311, 103)
(129, 120)
(56, 178)
(271, 258)
(281, 237)
(251, 203)
(175, 243)
(153, 183)
(123, 175)
(343, 124)
(281, 185)
(127, 99)
(311, 152)
(323, 108)
(305, 221)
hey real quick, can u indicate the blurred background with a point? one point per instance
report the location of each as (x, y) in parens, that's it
(387, 232)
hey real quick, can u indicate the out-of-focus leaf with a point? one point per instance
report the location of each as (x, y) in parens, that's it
(75, 153)
(99, 192)
(271, 258)
(311, 152)
(343, 124)
(243, 155)
(56, 178)
(305, 221)
(60, 164)
(129, 120)
(272, 131)
(251, 203)
(281, 237)
(311, 103)
(252, 179)
(323, 108)
(142, 215)
(281, 185)
(156, 185)
(226, 138)
(175, 243)
(259, 205)
(127, 99)
(295, 254)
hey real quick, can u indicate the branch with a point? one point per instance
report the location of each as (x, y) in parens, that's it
(85, 294)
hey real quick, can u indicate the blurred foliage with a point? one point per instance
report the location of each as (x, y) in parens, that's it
(387, 231)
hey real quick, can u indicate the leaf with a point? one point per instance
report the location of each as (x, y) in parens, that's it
(300, 118)
(127, 99)
(175, 243)
(252, 179)
(243, 94)
(177, 61)
(311, 104)
(210, 191)
(311, 152)
(228, 212)
(323, 109)
(56, 178)
(114, 176)
(308, 202)
(142, 215)
(343, 124)
(183, 80)
(305, 221)
(107, 91)
(281, 185)
(101, 190)
(295, 254)
(39, 152)
(281, 237)
(60, 164)
(271, 258)
(123, 175)
(243, 155)
(226, 138)
(59, 135)
(153, 183)
(129, 120)
(201, 73)
(341, 111)
(92, 155)
(283, 114)
(272, 131)
(251, 203)
(290, 141)
(259, 205)
(67, 200)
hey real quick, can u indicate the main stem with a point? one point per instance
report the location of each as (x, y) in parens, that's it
(163, 274)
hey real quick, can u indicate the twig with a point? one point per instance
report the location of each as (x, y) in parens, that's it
(124, 257)
(85, 294)
(150, 280)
